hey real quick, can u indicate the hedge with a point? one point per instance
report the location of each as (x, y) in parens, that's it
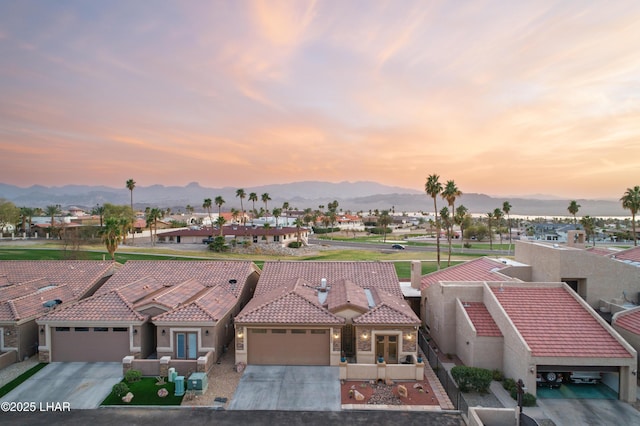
(472, 378)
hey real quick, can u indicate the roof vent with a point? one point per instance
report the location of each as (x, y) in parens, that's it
(370, 301)
(233, 281)
(323, 285)
(52, 303)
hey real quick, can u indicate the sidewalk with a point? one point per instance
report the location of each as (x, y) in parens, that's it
(12, 371)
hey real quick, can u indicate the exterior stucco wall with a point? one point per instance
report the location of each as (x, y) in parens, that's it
(605, 278)
(632, 338)
(474, 350)
(441, 310)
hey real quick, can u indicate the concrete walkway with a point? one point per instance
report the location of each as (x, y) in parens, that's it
(296, 388)
(12, 371)
(81, 384)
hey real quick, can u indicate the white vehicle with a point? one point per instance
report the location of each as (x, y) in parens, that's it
(591, 377)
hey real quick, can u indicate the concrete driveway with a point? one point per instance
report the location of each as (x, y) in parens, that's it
(288, 388)
(568, 412)
(82, 384)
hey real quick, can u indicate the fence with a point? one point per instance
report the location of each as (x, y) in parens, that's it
(456, 397)
(527, 421)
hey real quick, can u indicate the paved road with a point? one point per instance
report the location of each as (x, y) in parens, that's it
(380, 246)
(80, 384)
(207, 416)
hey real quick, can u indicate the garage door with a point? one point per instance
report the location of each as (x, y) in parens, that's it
(89, 344)
(288, 346)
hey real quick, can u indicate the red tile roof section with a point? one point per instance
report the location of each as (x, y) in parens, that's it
(110, 306)
(554, 324)
(482, 319)
(629, 321)
(344, 294)
(481, 269)
(632, 255)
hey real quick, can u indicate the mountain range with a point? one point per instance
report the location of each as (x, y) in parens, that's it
(354, 196)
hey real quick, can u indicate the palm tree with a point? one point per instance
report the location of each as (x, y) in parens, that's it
(589, 225)
(152, 216)
(265, 199)
(189, 209)
(450, 193)
(26, 213)
(112, 234)
(498, 216)
(219, 201)
(631, 201)
(459, 219)
(383, 221)
(242, 195)
(266, 226)
(285, 208)
(220, 221)
(253, 197)
(489, 219)
(433, 188)
(506, 208)
(234, 214)
(52, 211)
(131, 184)
(276, 213)
(448, 225)
(298, 222)
(573, 209)
(207, 206)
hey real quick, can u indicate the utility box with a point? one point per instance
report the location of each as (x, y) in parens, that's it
(179, 386)
(198, 383)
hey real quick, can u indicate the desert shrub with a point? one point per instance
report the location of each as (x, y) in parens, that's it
(318, 230)
(528, 400)
(379, 230)
(132, 376)
(509, 384)
(497, 375)
(120, 389)
(218, 245)
(295, 244)
(472, 378)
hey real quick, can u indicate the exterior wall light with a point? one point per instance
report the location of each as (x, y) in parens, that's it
(240, 334)
(163, 332)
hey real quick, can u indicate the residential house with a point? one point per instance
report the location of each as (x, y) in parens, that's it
(317, 313)
(282, 236)
(150, 309)
(30, 289)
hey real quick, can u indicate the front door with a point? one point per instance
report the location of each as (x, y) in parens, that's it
(348, 340)
(186, 345)
(387, 347)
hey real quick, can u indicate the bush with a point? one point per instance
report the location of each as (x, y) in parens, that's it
(318, 230)
(218, 245)
(509, 384)
(295, 244)
(120, 389)
(472, 378)
(497, 375)
(380, 230)
(132, 376)
(528, 400)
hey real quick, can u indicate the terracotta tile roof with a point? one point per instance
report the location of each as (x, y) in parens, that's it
(481, 269)
(555, 324)
(170, 297)
(171, 272)
(381, 275)
(629, 320)
(482, 319)
(110, 306)
(140, 289)
(345, 294)
(293, 303)
(602, 251)
(388, 309)
(629, 255)
(212, 305)
(27, 285)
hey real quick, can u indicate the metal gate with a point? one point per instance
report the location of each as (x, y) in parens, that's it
(348, 340)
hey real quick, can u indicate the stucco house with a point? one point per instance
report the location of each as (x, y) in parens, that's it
(30, 289)
(317, 313)
(240, 234)
(150, 309)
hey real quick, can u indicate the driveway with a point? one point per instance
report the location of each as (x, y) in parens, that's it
(567, 412)
(289, 388)
(82, 384)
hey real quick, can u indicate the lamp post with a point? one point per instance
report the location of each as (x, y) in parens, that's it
(520, 389)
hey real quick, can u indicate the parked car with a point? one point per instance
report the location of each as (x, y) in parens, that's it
(550, 379)
(590, 377)
(397, 247)
(208, 240)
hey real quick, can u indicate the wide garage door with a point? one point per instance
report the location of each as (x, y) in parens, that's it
(288, 346)
(89, 344)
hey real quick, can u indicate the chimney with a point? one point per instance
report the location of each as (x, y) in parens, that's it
(416, 274)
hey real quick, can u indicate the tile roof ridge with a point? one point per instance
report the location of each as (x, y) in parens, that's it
(43, 290)
(14, 310)
(126, 302)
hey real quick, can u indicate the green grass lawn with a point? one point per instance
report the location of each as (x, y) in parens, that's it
(20, 379)
(145, 392)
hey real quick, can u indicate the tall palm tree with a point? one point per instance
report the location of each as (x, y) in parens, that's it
(265, 199)
(449, 193)
(433, 188)
(234, 214)
(253, 197)
(573, 209)
(220, 221)
(498, 216)
(242, 195)
(219, 201)
(631, 201)
(285, 208)
(131, 184)
(26, 213)
(152, 215)
(207, 206)
(459, 219)
(384, 221)
(448, 225)
(266, 226)
(506, 208)
(52, 211)
(489, 221)
(589, 225)
(298, 222)
(276, 213)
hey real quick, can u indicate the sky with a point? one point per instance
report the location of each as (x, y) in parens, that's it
(504, 98)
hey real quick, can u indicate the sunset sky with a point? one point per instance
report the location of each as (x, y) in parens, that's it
(504, 97)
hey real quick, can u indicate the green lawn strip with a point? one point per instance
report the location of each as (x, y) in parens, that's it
(145, 392)
(403, 269)
(20, 379)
